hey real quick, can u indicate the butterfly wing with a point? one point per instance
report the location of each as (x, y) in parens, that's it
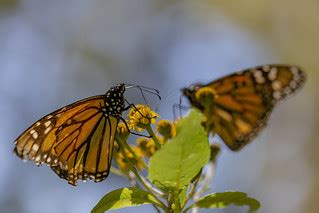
(244, 101)
(76, 141)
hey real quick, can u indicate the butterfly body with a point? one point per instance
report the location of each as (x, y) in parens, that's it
(239, 105)
(77, 140)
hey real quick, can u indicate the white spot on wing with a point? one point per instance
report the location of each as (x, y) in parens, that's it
(277, 95)
(35, 147)
(276, 85)
(48, 160)
(47, 123)
(287, 90)
(47, 130)
(35, 135)
(38, 158)
(272, 74)
(293, 84)
(25, 152)
(258, 75)
(266, 68)
(294, 70)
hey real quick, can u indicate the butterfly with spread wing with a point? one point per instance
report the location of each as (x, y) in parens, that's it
(77, 140)
(240, 104)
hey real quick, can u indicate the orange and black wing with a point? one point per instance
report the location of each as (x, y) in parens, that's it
(243, 101)
(76, 141)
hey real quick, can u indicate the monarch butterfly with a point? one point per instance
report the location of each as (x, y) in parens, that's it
(77, 140)
(241, 103)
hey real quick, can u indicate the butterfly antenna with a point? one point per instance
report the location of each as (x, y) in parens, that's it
(142, 93)
(150, 90)
(144, 89)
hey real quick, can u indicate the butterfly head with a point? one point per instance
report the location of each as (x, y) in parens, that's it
(201, 97)
(115, 100)
(190, 92)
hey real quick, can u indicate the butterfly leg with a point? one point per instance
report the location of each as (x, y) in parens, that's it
(130, 105)
(134, 133)
(180, 108)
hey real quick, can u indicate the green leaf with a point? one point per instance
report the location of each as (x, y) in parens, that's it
(223, 200)
(122, 198)
(177, 162)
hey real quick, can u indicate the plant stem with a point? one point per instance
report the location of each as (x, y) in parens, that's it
(155, 190)
(208, 178)
(206, 182)
(177, 203)
(190, 195)
(134, 170)
(117, 171)
(152, 134)
(130, 150)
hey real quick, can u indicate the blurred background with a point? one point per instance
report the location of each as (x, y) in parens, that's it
(53, 53)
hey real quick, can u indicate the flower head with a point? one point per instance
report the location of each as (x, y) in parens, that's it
(147, 146)
(205, 96)
(136, 160)
(122, 131)
(122, 134)
(166, 128)
(141, 116)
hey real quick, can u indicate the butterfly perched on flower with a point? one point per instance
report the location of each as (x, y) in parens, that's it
(77, 140)
(238, 106)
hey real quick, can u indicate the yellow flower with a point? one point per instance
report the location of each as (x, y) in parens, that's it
(140, 117)
(166, 128)
(147, 146)
(137, 161)
(122, 134)
(205, 96)
(122, 131)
